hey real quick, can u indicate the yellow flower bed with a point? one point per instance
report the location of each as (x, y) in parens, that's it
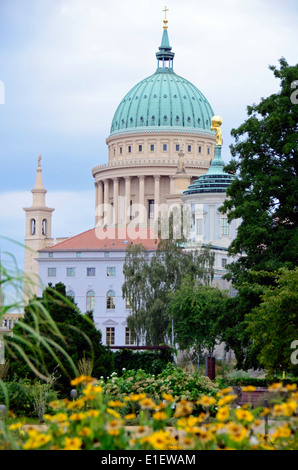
(88, 423)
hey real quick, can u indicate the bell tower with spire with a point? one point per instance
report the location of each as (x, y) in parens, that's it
(38, 232)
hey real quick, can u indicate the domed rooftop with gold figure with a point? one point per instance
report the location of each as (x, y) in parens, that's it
(161, 125)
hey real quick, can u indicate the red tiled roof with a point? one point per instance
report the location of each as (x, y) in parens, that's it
(111, 239)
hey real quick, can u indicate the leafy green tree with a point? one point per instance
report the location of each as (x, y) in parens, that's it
(273, 325)
(149, 281)
(264, 193)
(196, 310)
(53, 336)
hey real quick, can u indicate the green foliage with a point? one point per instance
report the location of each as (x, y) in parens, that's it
(150, 280)
(265, 192)
(152, 362)
(272, 325)
(196, 310)
(54, 332)
(21, 393)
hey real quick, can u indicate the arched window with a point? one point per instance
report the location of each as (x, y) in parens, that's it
(90, 300)
(33, 226)
(71, 294)
(111, 300)
(44, 227)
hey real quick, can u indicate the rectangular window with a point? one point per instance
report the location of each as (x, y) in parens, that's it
(189, 148)
(107, 254)
(151, 208)
(120, 150)
(90, 272)
(140, 148)
(208, 150)
(110, 336)
(70, 272)
(177, 147)
(129, 149)
(79, 255)
(224, 226)
(111, 272)
(128, 340)
(200, 226)
(165, 147)
(223, 262)
(200, 149)
(51, 255)
(152, 148)
(51, 272)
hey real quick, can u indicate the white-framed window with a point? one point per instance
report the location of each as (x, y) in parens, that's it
(128, 340)
(224, 262)
(70, 272)
(51, 272)
(152, 148)
(51, 255)
(189, 148)
(111, 300)
(200, 226)
(111, 272)
(90, 272)
(200, 149)
(90, 300)
(71, 294)
(224, 226)
(151, 208)
(140, 148)
(165, 147)
(79, 254)
(110, 336)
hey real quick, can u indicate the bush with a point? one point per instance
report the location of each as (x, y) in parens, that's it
(152, 362)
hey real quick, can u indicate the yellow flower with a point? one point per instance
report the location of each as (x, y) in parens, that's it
(85, 432)
(92, 413)
(160, 415)
(55, 404)
(168, 397)
(237, 431)
(291, 387)
(206, 401)
(130, 416)
(59, 418)
(227, 399)
(76, 404)
(223, 413)
(183, 408)
(135, 397)
(244, 415)
(249, 388)
(116, 403)
(72, 443)
(113, 413)
(205, 435)
(114, 426)
(274, 387)
(15, 426)
(161, 440)
(77, 416)
(82, 379)
(282, 432)
(226, 391)
(36, 441)
(147, 404)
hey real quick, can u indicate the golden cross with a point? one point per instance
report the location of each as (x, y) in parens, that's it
(165, 10)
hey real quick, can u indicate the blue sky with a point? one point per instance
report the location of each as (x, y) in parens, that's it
(66, 65)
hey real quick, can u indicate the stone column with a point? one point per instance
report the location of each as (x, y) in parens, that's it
(127, 199)
(116, 200)
(156, 195)
(98, 201)
(142, 199)
(106, 202)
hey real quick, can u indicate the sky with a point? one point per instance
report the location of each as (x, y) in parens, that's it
(65, 65)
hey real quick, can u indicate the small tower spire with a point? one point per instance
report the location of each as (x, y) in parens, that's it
(38, 191)
(165, 57)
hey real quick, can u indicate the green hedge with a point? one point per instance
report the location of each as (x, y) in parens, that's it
(244, 381)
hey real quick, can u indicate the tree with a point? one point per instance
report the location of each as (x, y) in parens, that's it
(273, 325)
(55, 333)
(264, 193)
(149, 281)
(196, 310)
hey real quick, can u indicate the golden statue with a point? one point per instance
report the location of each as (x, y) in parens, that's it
(216, 122)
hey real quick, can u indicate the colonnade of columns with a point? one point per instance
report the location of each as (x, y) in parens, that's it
(102, 201)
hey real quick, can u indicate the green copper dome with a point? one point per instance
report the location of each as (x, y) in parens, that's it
(216, 180)
(164, 101)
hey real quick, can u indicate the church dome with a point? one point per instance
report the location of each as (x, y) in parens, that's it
(163, 101)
